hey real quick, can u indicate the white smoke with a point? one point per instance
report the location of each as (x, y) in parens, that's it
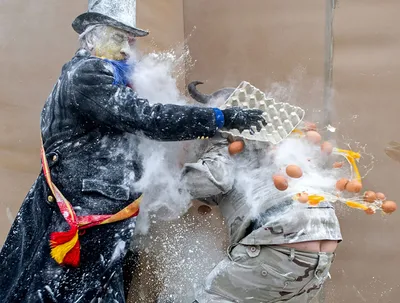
(170, 240)
(155, 79)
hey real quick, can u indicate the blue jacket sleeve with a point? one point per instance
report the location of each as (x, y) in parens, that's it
(96, 97)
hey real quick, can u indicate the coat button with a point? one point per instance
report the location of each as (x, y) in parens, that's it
(264, 273)
(253, 251)
(50, 198)
(55, 158)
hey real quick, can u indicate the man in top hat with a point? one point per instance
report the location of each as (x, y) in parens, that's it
(69, 239)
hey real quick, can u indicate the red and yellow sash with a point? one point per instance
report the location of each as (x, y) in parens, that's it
(65, 247)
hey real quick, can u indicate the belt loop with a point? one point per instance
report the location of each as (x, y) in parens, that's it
(292, 254)
(324, 263)
(229, 249)
(333, 257)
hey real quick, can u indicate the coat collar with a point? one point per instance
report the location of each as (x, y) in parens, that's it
(82, 53)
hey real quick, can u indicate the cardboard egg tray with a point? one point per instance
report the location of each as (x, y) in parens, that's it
(280, 118)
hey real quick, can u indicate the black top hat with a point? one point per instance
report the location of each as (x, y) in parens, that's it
(116, 13)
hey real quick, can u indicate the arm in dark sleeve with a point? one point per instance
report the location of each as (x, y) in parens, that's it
(212, 175)
(95, 96)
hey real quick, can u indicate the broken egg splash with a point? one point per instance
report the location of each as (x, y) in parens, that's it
(348, 191)
(298, 162)
(316, 175)
(305, 173)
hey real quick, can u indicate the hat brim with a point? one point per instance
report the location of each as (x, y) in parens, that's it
(87, 19)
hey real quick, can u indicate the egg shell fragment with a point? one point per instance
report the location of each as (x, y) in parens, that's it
(337, 165)
(302, 197)
(369, 211)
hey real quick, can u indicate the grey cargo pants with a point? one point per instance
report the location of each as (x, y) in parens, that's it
(255, 274)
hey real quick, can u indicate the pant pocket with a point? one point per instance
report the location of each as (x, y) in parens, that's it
(237, 252)
(243, 282)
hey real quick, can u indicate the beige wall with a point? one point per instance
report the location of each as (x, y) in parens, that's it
(366, 77)
(36, 39)
(258, 41)
(255, 40)
(164, 20)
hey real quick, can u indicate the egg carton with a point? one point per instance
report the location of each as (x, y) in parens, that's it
(280, 118)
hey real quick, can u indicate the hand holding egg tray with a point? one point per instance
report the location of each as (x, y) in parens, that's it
(280, 118)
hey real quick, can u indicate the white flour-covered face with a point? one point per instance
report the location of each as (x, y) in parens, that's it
(114, 44)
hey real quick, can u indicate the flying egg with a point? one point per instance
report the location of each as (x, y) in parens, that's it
(369, 196)
(327, 148)
(341, 184)
(280, 182)
(313, 137)
(294, 171)
(354, 186)
(236, 147)
(389, 207)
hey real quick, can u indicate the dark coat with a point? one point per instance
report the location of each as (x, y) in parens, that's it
(88, 126)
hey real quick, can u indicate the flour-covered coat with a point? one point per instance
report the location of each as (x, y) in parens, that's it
(89, 126)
